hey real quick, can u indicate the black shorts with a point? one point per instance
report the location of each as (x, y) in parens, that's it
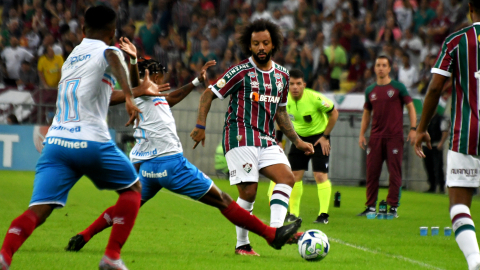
(299, 161)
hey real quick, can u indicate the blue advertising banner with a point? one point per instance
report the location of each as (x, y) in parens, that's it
(20, 146)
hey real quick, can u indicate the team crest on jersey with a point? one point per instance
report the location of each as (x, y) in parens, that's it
(247, 167)
(395, 151)
(221, 83)
(390, 93)
(277, 76)
(279, 86)
(254, 84)
(268, 86)
(373, 96)
(239, 137)
(252, 74)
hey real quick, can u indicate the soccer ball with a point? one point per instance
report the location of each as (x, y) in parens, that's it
(313, 245)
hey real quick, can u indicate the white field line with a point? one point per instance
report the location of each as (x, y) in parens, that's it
(398, 257)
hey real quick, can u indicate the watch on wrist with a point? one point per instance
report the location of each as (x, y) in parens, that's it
(326, 136)
(413, 128)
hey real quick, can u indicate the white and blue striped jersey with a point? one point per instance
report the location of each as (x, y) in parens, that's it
(84, 93)
(156, 134)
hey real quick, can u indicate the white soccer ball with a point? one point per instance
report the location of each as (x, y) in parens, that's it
(313, 245)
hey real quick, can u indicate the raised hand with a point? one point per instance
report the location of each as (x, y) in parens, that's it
(203, 73)
(128, 47)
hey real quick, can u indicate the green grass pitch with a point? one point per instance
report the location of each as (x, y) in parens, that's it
(173, 232)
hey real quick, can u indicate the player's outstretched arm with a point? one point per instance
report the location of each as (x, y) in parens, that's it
(286, 127)
(131, 50)
(120, 74)
(146, 88)
(362, 142)
(429, 106)
(198, 133)
(179, 94)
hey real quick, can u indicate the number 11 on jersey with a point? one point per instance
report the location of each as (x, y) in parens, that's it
(67, 101)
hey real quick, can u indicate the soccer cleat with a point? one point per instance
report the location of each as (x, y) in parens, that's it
(76, 243)
(3, 264)
(368, 210)
(323, 218)
(393, 211)
(294, 238)
(246, 250)
(291, 218)
(284, 233)
(109, 264)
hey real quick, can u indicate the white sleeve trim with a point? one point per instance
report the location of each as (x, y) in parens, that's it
(216, 92)
(441, 72)
(283, 104)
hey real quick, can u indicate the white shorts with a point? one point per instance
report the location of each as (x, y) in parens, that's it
(245, 162)
(462, 170)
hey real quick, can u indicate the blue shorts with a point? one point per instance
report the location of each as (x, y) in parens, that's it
(64, 161)
(174, 173)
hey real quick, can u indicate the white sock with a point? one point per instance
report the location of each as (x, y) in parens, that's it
(464, 229)
(242, 234)
(279, 204)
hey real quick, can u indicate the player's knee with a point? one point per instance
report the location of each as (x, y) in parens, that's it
(42, 211)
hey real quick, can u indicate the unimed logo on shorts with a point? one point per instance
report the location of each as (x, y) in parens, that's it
(466, 172)
(67, 144)
(154, 175)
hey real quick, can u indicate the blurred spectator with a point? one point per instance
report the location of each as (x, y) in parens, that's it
(31, 38)
(28, 76)
(299, 57)
(303, 15)
(408, 75)
(203, 56)
(412, 44)
(49, 40)
(438, 27)
(261, 12)
(344, 30)
(317, 50)
(390, 32)
(290, 6)
(357, 68)
(327, 26)
(321, 84)
(181, 17)
(149, 33)
(423, 16)
(285, 22)
(122, 14)
(162, 49)
(426, 74)
(138, 9)
(404, 10)
(217, 43)
(337, 57)
(228, 60)
(206, 5)
(50, 68)
(12, 120)
(13, 56)
(68, 49)
(13, 30)
(72, 23)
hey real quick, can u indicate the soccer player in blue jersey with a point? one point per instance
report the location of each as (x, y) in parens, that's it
(78, 142)
(459, 58)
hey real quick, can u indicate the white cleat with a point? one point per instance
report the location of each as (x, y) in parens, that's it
(109, 264)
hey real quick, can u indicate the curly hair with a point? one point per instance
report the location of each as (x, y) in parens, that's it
(152, 66)
(245, 38)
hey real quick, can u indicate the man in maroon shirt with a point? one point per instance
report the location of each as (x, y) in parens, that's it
(384, 102)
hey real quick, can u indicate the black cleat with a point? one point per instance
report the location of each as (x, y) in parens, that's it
(284, 233)
(368, 210)
(291, 218)
(393, 211)
(323, 218)
(76, 243)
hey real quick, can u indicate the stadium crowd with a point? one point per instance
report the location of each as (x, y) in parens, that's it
(334, 42)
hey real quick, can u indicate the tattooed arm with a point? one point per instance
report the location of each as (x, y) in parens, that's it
(198, 134)
(286, 127)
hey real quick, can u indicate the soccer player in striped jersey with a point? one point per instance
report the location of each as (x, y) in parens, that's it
(258, 90)
(459, 58)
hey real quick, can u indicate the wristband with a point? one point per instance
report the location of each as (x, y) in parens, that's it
(196, 83)
(133, 61)
(199, 126)
(413, 128)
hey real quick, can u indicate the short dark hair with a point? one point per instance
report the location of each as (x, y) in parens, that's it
(296, 74)
(384, 57)
(245, 38)
(475, 4)
(99, 18)
(152, 66)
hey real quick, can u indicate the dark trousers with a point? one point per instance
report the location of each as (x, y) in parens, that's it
(379, 150)
(434, 166)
